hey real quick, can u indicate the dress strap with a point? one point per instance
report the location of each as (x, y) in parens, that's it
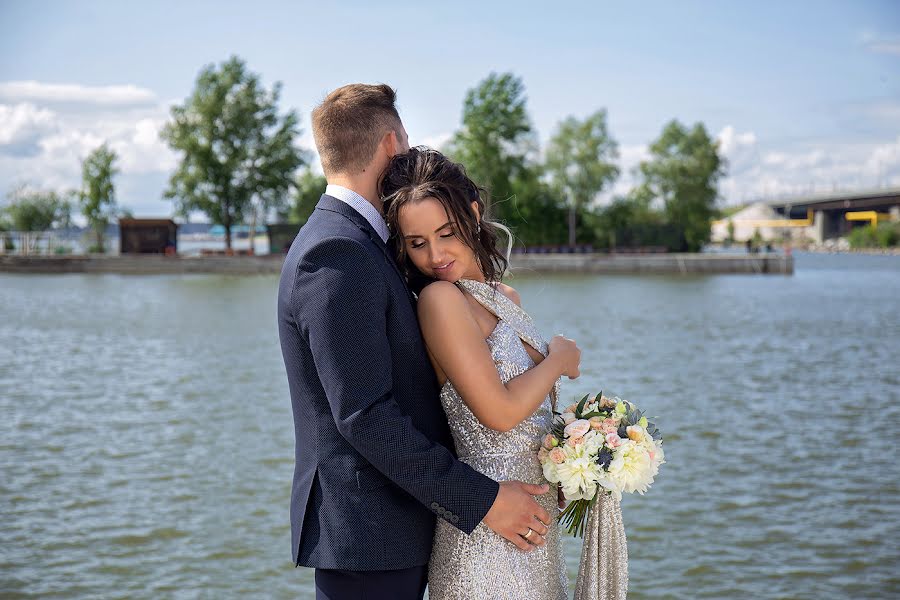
(506, 310)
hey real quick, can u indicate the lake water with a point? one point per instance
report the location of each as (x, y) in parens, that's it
(147, 444)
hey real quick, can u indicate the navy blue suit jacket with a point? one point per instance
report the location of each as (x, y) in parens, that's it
(374, 463)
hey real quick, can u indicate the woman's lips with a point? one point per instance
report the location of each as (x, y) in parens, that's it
(439, 271)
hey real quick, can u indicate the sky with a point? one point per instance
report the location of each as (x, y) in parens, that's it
(802, 96)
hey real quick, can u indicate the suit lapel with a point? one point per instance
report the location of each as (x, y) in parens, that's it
(332, 204)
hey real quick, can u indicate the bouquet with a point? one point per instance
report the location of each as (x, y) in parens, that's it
(599, 446)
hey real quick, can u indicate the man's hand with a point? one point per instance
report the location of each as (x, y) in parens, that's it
(517, 516)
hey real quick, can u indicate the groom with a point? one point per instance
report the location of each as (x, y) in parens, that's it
(374, 460)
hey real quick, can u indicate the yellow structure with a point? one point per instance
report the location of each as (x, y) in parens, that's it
(868, 215)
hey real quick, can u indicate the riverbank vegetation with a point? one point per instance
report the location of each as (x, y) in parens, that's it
(882, 235)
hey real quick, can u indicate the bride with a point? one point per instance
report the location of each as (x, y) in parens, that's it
(499, 377)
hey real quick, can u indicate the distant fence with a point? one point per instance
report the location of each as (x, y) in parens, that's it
(36, 242)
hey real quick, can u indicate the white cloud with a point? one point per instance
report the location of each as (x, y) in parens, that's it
(52, 128)
(880, 44)
(22, 126)
(68, 93)
(758, 171)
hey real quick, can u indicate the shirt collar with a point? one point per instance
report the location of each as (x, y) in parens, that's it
(360, 205)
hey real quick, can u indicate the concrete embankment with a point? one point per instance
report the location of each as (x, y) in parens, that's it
(137, 264)
(774, 264)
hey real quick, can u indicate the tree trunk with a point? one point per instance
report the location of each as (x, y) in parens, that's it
(98, 231)
(572, 214)
(252, 250)
(227, 235)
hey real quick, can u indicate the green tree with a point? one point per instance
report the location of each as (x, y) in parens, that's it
(539, 218)
(683, 174)
(495, 141)
(238, 153)
(308, 189)
(580, 163)
(98, 194)
(36, 210)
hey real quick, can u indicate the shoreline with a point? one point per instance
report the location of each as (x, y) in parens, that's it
(268, 264)
(865, 251)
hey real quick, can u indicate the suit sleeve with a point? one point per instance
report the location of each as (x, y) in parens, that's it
(340, 299)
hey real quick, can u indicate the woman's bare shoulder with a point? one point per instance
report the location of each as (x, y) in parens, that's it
(510, 293)
(440, 296)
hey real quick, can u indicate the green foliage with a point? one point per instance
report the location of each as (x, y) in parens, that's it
(308, 189)
(883, 235)
(35, 210)
(495, 141)
(237, 153)
(683, 173)
(630, 222)
(580, 163)
(98, 194)
(537, 216)
(730, 238)
(757, 238)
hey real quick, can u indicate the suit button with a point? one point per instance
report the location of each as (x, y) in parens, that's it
(454, 519)
(435, 506)
(441, 511)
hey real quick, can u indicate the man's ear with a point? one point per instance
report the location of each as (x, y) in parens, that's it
(390, 143)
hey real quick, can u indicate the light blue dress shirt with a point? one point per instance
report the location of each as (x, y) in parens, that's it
(360, 205)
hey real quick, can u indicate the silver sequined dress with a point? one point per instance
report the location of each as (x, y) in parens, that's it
(483, 564)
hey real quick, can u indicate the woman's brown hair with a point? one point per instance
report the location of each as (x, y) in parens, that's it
(425, 173)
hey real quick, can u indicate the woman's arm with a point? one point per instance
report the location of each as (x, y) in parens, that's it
(457, 344)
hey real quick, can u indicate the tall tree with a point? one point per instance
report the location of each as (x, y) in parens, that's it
(98, 194)
(238, 153)
(683, 173)
(36, 210)
(580, 162)
(495, 140)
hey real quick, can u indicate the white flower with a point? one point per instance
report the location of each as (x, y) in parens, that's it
(631, 469)
(657, 456)
(578, 475)
(550, 471)
(568, 417)
(593, 441)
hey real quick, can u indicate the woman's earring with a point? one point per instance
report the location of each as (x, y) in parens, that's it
(478, 229)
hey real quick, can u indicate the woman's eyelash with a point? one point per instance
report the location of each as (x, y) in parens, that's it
(420, 244)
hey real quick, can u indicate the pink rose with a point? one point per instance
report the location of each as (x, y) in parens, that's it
(574, 441)
(548, 441)
(577, 428)
(613, 440)
(558, 456)
(609, 425)
(568, 417)
(596, 423)
(542, 454)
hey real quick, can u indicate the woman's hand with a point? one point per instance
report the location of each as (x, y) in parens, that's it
(568, 355)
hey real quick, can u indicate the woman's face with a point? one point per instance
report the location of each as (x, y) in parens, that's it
(429, 234)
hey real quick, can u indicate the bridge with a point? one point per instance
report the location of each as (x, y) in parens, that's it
(834, 215)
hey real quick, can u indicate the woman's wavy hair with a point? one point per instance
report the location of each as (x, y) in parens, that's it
(425, 173)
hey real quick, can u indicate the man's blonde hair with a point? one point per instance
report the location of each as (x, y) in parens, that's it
(350, 123)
